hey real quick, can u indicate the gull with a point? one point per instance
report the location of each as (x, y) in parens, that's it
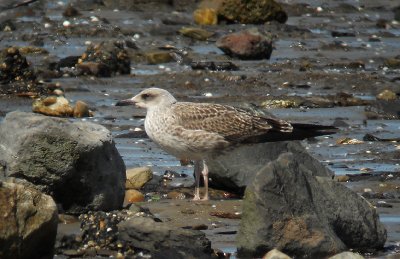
(202, 131)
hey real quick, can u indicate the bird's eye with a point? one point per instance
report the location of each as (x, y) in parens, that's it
(145, 96)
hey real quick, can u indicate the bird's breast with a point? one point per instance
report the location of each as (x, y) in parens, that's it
(161, 129)
(152, 128)
(157, 124)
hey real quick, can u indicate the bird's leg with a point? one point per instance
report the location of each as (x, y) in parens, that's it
(204, 172)
(197, 168)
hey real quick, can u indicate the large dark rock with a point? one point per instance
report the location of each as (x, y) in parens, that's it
(287, 208)
(163, 240)
(236, 169)
(28, 222)
(76, 163)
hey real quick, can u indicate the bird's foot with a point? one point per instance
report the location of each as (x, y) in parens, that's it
(196, 198)
(205, 198)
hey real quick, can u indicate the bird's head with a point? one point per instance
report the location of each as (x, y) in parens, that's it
(149, 98)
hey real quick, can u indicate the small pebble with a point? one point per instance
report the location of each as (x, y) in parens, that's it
(66, 23)
(94, 19)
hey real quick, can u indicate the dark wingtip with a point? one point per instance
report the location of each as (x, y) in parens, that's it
(315, 130)
(300, 131)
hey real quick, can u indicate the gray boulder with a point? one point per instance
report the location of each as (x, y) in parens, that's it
(237, 168)
(287, 208)
(76, 163)
(28, 224)
(163, 240)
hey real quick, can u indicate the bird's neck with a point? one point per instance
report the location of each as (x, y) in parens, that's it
(159, 108)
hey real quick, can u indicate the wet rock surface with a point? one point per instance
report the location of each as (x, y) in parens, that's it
(250, 12)
(275, 254)
(196, 33)
(77, 163)
(95, 234)
(205, 16)
(347, 255)
(250, 44)
(28, 224)
(104, 59)
(323, 219)
(134, 232)
(132, 196)
(54, 106)
(164, 240)
(16, 75)
(59, 106)
(136, 178)
(236, 169)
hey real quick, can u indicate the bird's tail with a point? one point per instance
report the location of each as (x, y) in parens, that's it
(312, 130)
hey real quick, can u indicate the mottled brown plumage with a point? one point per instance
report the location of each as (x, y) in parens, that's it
(234, 124)
(199, 131)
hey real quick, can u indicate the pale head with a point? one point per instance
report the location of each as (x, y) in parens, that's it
(150, 98)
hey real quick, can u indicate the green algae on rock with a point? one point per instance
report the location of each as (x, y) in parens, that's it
(252, 11)
(195, 33)
(16, 75)
(110, 55)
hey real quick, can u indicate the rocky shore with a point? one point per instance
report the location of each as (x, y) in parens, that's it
(80, 179)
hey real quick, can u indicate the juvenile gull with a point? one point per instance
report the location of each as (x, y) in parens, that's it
(200, 131)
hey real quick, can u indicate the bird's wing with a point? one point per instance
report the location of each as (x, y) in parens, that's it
(198, 141)
(234, 124)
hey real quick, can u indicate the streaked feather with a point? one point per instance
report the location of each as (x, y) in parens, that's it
(199, 130)
(234, 124)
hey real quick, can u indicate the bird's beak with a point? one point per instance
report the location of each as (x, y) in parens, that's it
(126, 102)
